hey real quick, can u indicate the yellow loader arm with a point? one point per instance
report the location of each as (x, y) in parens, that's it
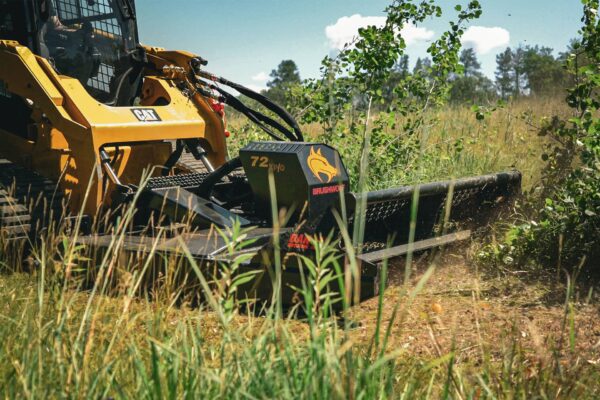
(68, 127)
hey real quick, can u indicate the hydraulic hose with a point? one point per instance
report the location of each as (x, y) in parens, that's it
(295, 136)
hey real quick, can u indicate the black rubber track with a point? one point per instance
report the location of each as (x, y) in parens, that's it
(28, 201)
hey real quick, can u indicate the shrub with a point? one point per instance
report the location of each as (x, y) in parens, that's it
(564, 227)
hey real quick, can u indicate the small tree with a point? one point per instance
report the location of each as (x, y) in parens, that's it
(472, 85)
(504, 81)
(282, 80)
(361, 70)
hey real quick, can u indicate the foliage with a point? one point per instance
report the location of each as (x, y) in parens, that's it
(472, 85)
(530, 70)
(283, 79)
(399, 73)
(229, 274)
(565, 230)
(464, 141)
(422, 65)
(545, 73)
(357, 82)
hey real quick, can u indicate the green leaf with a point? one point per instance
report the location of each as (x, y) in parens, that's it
(245, 278)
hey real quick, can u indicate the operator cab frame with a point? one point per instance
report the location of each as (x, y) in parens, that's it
(93, 41)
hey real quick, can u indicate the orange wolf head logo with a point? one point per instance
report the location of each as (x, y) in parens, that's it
(320, 166)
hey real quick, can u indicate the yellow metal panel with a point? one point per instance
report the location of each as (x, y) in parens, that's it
(24, 76)
(10, 67)
(58, 140)
(77, 126)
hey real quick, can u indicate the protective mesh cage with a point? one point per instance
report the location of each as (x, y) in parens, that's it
(101, 15)
(474, 201)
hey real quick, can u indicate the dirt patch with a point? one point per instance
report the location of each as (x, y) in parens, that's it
(479, 315)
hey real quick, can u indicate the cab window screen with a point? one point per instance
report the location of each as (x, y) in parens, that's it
(91, 41)
(101, 14)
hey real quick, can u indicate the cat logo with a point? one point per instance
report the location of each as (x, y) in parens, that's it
(146, 115)
(320, 166)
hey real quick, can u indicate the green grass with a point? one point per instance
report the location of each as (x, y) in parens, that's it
(131, 348)
(62, 336)
(453, 144)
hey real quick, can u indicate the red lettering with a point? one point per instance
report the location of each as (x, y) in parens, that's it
(299, 241)
(319, 191)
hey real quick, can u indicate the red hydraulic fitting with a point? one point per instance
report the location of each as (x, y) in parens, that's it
(219, 108)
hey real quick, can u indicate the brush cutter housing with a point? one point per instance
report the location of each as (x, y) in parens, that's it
(290, 193)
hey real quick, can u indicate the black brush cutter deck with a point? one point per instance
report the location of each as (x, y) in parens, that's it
(309, 185)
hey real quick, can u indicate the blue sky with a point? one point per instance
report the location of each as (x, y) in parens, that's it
(245, 39)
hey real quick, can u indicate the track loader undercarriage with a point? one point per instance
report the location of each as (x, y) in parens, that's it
(119, 131)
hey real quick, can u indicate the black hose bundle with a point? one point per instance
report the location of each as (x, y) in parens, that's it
(263, 121)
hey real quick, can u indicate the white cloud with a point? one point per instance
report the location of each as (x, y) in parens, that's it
(346, 29)
(484, 39)
(256, 88)
(261, 77)
(413, 34)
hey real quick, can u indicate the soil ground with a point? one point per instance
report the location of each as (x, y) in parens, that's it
(479, 313)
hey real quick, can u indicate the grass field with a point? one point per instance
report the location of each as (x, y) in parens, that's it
(455, 329)
(453, 143)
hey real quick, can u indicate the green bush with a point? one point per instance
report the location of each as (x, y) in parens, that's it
(564, 227)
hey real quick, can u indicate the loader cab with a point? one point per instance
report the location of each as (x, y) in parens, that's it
(93, 41)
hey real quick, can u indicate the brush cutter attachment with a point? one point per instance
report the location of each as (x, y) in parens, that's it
(435, 208)
(290, 193)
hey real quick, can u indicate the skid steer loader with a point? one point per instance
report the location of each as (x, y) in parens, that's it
(86, 111)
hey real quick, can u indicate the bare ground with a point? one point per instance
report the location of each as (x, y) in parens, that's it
(482, 314)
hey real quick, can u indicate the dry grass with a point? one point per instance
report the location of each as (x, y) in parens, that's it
(508, 328)
(455, 144)
(478, 314)
(454, 330)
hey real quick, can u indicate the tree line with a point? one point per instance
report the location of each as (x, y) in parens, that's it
(523, 71)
